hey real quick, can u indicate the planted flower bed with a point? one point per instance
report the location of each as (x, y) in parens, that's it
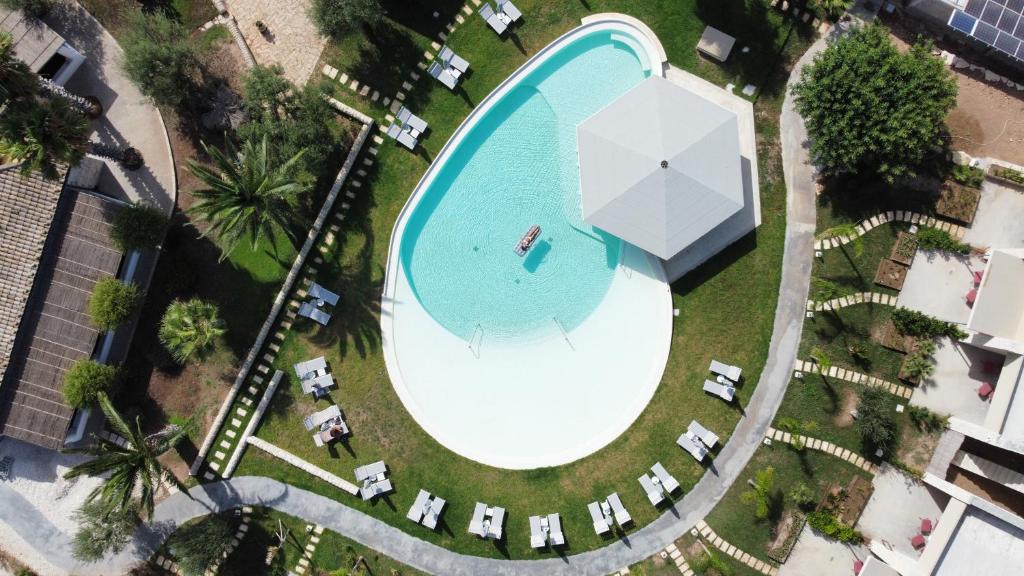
(891, 274)
(1007, 174)
(904, 249)
(958, 202)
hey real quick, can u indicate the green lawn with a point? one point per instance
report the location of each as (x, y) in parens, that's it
(836, 331)
(852, 266)
(734, 520)
(690, 548)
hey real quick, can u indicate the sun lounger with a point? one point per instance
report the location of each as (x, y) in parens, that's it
(370, 470)
(688, 441)
(496, 23)
(654, 493)
(316, 419)
(476, 524)
(5, 468)
(668, 481)
(317, 385)
(311, 368)
(731, 372)
(376, 489)
(401, 136)
(416, 123)
(621, 516)
(318, 292)
(313, 313)
(723, 391)
(555, 535)
(706, 436)
(419, 506)
(496, 524)
(433, 513)
(453, 60)
(335, 432)
(509, 9)
(442, 75)
(597, 517)
(538, 538)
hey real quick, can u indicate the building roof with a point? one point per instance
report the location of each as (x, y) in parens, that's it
(56, 330)
(716, 43)
(998, 310)
(27, 207)
(982, 544)
(660, 167)
(34, 42)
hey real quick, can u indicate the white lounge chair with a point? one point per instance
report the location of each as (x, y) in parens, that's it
(375, 489)
(654, 493)
(538, 537)
(419, 506)
(452, 60)
(668, 481)
(370, 470)
(688, 441)
(509, 9)
(731, 372)
(317, 418)
(723, 391)
(496, 23)
(433, 513)
(311, 368)
(555, 535)
(443, 75)
(496, 524)
(597, 517)
(318, 385)
(313, 313)
(318, 292)
(621, 516)
(476, 524)
(706, 436)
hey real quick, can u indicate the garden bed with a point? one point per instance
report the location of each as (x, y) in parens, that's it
(891, 274)
(786, 536)
(904, 249)
(890, 337)
(1006, 175)
(958, 202)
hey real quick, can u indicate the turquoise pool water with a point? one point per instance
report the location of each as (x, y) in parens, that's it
(517, 166)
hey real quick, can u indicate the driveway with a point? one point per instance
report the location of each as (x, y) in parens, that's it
(998, 222)
(129, 118)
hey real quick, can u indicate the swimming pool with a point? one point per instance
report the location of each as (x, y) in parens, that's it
(479, 340)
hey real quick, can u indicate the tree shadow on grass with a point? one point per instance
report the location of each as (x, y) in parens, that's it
(385, 59)
(418, 15)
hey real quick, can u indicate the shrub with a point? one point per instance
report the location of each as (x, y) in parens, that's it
(827, 524)
(760, 492)
(920, 325)
(159, 57)
(113, 302)
(919, 366)
(188, 329)
(1009, 174)
(85, 380)
(935, 239)
(925, 419)
(802, 496)
(102, 531)
(708, 561)
(967, 175)
(335, 17)
(875, 421)
(137, 226)
(32, 8)
(199, 545)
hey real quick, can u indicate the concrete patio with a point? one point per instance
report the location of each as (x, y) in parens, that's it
(937, 284)
(893, 515)
(998, 223)
(953, 388)
(814, 555)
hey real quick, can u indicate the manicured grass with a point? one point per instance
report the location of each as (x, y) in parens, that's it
(735, 294)
(852, 266)
(836, 331)
(691, 550)
(734, 520)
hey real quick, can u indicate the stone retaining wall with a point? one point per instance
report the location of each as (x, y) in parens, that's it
(301, 464)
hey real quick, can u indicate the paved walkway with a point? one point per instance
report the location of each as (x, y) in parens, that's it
(129, 118)
(292, 40)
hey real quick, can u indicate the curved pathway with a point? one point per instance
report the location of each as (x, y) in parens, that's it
(685, 514)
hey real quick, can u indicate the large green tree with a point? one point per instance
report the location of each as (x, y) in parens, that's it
(16, 79)
(43, 134)
(101, 531)
(200, 544)
(130, 469)
(335, 17)
(189, 328)
(246, 195)
(159, 57)
(870, 108)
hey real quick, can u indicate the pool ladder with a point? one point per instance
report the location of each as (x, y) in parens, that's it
(564, 333)
(476, 340)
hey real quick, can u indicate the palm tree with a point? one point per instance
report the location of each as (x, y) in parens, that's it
(821, 359)
(245, 195)
(760, 493)
(16, 79)
(189, 328)
(132, 468)
(43, 134)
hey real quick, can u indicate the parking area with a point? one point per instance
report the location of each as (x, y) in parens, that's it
(937, 285)
(952, 390)
(894, 513)
(997, 222)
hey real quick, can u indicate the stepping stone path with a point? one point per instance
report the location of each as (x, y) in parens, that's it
(865, 226)
(858, 298)
(901, 390)
(307, 554)
(823, 446)
(718, 542)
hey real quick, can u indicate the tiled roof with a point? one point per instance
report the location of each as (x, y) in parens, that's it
(27, 207)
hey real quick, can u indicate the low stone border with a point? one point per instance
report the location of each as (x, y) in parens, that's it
(858, 298)
(901, 390)
(865, 226)
(301, 464)
(823, 446)
(253, 422)
(718, 542)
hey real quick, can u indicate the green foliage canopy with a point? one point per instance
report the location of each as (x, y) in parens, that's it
(86, 380)
(159, 57)
(137, 227)
(199, 545)
(101, 531)
(875, 421)
(188, 329)
(335, 17)
(113, 302)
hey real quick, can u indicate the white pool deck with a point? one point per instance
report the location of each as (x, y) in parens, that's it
(555, 397)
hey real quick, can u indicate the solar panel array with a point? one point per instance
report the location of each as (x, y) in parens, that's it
(998, 23)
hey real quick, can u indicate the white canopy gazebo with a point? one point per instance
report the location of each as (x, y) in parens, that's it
(660, 167)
